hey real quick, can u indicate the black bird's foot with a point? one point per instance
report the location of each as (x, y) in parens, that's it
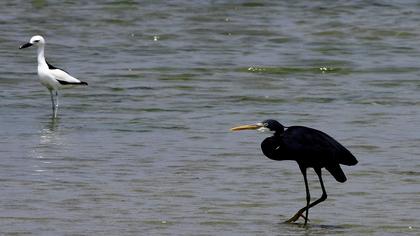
(296, 217)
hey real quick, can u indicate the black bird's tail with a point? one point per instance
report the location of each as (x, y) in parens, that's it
(346, 158)
(337, 172)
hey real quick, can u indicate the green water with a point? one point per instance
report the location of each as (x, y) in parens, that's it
(145, 149)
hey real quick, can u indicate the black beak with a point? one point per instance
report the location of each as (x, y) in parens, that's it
(26, 45)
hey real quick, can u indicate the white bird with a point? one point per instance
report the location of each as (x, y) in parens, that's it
(51, 77)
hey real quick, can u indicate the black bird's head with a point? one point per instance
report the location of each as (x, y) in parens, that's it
(35, 40)
(265, 126)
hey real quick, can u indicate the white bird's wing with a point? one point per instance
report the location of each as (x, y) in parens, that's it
(63, 78)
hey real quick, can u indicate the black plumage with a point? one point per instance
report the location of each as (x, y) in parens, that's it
(310, 148)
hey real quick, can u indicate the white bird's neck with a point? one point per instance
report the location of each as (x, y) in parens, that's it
(41, 57)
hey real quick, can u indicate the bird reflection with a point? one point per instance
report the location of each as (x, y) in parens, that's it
(49, 132)
(49, 138)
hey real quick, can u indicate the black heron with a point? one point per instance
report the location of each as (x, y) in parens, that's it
(309, 148)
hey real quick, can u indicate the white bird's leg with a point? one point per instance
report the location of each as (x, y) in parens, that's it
(52, 101)
(56, 104)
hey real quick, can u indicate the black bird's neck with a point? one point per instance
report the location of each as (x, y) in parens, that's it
(273, 148)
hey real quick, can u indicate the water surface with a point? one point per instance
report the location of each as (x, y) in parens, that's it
(145, 149)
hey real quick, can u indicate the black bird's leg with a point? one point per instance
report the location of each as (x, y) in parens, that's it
(324, 193)
(308, 195)
(308, 199)
(321, 199)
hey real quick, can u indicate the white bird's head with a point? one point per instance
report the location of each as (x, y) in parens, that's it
(35, 40)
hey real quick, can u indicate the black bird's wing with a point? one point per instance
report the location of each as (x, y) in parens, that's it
(314, 148)
(307, 141)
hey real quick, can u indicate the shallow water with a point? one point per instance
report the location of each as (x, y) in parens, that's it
(145, 149)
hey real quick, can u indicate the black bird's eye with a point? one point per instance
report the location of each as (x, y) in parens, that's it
(36, 41)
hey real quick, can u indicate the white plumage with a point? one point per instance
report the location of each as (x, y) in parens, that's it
(51, 77)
